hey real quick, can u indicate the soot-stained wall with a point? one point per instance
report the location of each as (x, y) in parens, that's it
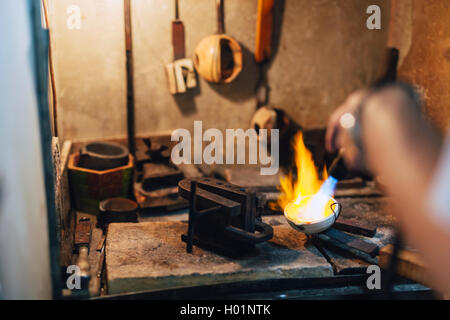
(324, 52)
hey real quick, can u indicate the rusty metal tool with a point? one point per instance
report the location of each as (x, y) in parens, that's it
(222, 217)
(207, 199)
(131, 132)
(178, 41)
(355, 227)
(218, 58)
(263, 49)
(194, 215)
(264, 23)
(180, 73)
(83, 232)
(353, 242)
(96, 281)
(101, 243)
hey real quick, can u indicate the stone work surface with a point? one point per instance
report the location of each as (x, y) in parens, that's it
(150, 255)
(367, 209)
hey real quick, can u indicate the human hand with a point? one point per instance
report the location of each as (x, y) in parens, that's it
(338, 137)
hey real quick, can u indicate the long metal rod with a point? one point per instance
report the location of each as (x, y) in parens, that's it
(130, 83)
(391, 272)
(52, 72)
(335, 162)
(177, 13)
(40, 45)
(220, 17)
(192, 217)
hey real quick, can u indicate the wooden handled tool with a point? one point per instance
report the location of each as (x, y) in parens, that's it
(263, 49)
(180, 73)
(264, 23)
(178, 41)
(220, 18)
(218, 57)
(83, 233)
(350, 241)
(335, 162)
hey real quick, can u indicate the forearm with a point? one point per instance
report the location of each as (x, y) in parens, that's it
(403, 150)
(400, 146)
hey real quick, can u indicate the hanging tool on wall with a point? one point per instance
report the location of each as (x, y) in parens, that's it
(52, 85)
(263, 50)
(218, 57)
(83, 234)
(264, 23)
(180, 73)
(130, 83)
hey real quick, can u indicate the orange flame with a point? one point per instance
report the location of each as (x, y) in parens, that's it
(307, 184)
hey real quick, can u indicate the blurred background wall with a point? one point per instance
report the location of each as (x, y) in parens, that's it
(89, 68)
(427, 57)
(325, 51)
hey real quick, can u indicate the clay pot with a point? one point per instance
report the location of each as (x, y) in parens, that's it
(103, 156)
(117, 210)
(218, 57)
